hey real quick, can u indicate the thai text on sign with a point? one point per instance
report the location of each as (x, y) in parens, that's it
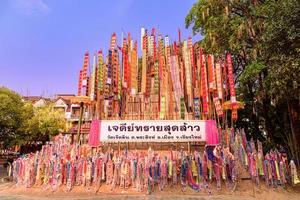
(153, 130)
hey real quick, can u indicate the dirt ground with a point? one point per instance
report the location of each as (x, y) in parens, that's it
(244, 191)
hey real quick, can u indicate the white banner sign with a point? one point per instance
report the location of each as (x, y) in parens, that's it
(152, 130)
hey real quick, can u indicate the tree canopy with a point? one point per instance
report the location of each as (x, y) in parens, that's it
(13, 115)
(44, 123)
(264, 39)
(20, 122)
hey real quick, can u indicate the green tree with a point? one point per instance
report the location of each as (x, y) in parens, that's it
(21, 122)
(45, 123)
(264, 38)
(13, 116)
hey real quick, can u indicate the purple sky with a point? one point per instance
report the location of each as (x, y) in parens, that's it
(42, 42)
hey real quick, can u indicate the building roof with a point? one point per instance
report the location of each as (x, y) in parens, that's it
(34, 99)
(60, 102)
(64, 96)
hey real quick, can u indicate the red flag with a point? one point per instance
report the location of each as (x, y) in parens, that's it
(126, 69)
(218, 106)
(193, 68)
(204, 83)
(83, 79)
(231, 86)
(80, 83)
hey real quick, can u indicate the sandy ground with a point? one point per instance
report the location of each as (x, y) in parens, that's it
(3, 172)
(244, 191)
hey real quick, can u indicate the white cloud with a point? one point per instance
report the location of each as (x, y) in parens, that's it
(31, 7)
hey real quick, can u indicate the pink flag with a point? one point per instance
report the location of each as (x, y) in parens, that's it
(94, 133)
(211, 132)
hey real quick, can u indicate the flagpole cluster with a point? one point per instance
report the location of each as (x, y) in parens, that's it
(169, 80)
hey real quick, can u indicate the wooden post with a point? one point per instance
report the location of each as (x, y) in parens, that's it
(79, 122)
(93, 151)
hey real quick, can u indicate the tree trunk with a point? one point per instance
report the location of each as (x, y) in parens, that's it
(265, 113)
(293, 110)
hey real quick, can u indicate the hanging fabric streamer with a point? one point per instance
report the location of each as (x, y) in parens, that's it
(176, 80)
(94, 133)
(218, 106)
(164, 173)
(183, 173)
(182, 108)
(156, 79)
(211, 73)
(266, 172)
(162, 113)
(100, 72)
(204, 83)
(197, 108)
(231, 86)
(204, 166)
(187, 69)
(219, 80)
(191, 180)
(192, 61)
(60, 163)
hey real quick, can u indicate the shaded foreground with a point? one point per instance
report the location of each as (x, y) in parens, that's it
(244, 191)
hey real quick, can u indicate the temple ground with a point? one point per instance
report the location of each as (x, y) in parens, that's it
(124, 197)
(244, 191)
